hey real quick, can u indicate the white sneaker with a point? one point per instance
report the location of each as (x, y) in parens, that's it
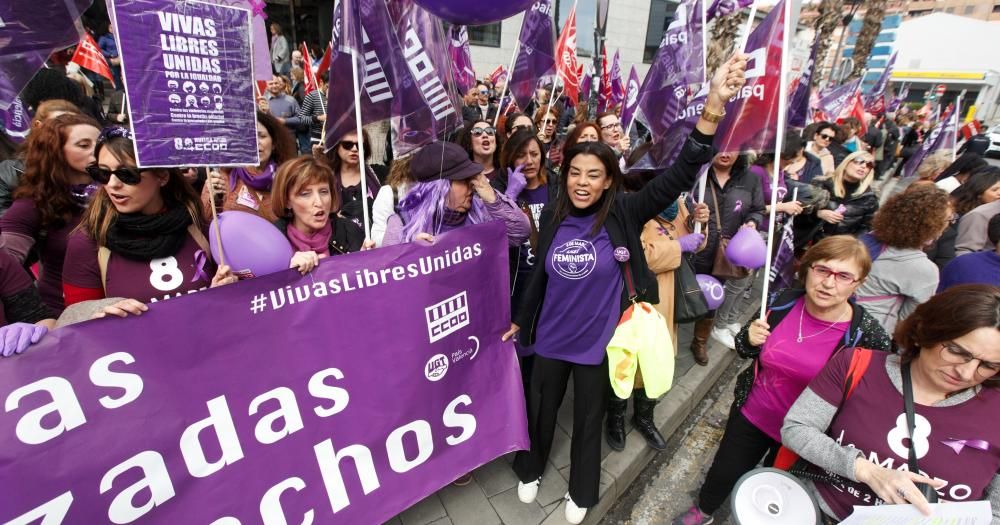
(574, 514)
(724, 336)
(527, 492)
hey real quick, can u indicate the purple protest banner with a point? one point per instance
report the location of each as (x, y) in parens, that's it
(586, 84)
(188, 78)
(751, 121)
(292, 402)
(878, 89)
(261, 49)
(678, 64)
(835, 100)
(461, 58)
(617, 87)
(29, 32)
(724, 7)
(631, 99)
(799, 114)
(940, 138)
(782, 272)
(16, 120)
(536, 52)
(904, 91)
(666, 148)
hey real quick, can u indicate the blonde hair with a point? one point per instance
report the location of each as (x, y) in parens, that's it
(932, 166)
(838, 175)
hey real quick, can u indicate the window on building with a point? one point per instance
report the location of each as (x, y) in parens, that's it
(661, 14)
(586, 17)
(949, 10)
(968, 9)
(996, 8)
(486, 35)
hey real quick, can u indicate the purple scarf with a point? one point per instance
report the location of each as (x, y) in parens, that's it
(261, 182)
(318, 242)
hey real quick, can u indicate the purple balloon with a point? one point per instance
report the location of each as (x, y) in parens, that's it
(472, 12)
(712, 289)
(253, 247)
(747, 249)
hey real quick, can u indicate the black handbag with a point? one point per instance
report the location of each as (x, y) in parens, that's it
(689, 301)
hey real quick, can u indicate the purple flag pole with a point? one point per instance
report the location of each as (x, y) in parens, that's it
(778, 140)
(361, 144)
(506, 85)
(631, 100)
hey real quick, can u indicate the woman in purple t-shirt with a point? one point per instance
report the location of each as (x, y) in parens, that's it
(21, 306)
(949, 349)
(50, 199)
(804, 328)
(589, 238)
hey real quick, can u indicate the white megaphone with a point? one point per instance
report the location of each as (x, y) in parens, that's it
(768, 496)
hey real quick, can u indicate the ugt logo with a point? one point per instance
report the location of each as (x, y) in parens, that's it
(447, 316)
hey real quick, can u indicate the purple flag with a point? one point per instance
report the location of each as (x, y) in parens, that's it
(29, 32)
(666, 148)
(937, 140)
(461, 58)
(878, 89)
(586, 84)
(752, 115)
(799, 114)
(782, 274)
(617, 87)
(678, 64)
(724, 7)
(277, 407)
(16, 120)
(904, 91)
(188, 107)
(836, 100)
(631, 99)
(535, 54)
(261, 51)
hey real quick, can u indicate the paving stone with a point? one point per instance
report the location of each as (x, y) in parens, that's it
(424, 512)
(443, 521)
(513, 512)
(553, 487)
(495, 477)
(468, 505)
(393, 521)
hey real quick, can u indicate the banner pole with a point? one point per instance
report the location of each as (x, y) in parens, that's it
(215, 219)
(510, 73)
(958, 109)
(749, 29)
(361, 144)
(778, 144)
(702, 181)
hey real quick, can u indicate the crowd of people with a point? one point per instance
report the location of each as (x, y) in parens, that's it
(900, 275)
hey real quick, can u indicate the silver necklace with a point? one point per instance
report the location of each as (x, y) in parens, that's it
(802, 314)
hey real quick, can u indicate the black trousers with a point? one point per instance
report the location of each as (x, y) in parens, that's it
(742, 447)
(549, 378)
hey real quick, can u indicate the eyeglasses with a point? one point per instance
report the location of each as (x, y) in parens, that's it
(953, 353)
(824, 136)
(348, 145)
(611, 126)
(130, 176)
(548, 121)
(483, 92)
(862, 162)
(824, 273)
(479, 132)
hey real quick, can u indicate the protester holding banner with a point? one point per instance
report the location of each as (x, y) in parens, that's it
(249, 189)
(306, 203)
(479, 139)
(24, 319)
(450, 191)
(852, 204)
(944, 378)
(50, 198)
(902, 277)
(592, 225)
(142, 238)
(346, 164)
(804, 329)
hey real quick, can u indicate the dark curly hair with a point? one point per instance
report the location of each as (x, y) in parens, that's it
(913, 218)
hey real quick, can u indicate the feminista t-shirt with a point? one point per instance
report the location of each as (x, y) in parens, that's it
(873, 420)
(583, 295)
(187, 271)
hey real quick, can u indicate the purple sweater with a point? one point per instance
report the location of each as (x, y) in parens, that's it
(502, 209)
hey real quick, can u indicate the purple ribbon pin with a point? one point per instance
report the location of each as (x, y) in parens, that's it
(958, 444)
(258, 8)
(738, 207)
(200, 259)
(621, 254)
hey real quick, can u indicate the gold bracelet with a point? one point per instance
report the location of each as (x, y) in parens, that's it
(712, 117)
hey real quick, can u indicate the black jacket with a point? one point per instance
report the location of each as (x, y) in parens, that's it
(347, 237)
(813, 168)
(629, 213)
(860, 210)
(740, 200)
(977, 144)
(473, 113)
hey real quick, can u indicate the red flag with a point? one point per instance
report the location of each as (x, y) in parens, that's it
(89, 57)
(324, 63)
(311, 83)
(566, 65)
(856, 110)
(970, 129)
(497, 74)
(604, 97)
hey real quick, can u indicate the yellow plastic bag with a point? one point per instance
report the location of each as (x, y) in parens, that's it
(642, 339)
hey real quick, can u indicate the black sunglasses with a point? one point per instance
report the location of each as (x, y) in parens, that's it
(478, 132)
(130, 176)
(348, 145)
(825, 136)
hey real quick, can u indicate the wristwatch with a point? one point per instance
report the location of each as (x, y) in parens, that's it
(712, 117)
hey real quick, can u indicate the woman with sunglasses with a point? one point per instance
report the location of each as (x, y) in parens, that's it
(345, 160)
(852, 203)
(142, 238)
(479, 139)
(804, 328)
(948, 363)
(249, 188)
(902, 275)
(819, 146)
(547, 124)
(50, 199)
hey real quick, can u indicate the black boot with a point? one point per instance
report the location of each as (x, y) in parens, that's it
(643, 420)
(616, 422)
